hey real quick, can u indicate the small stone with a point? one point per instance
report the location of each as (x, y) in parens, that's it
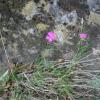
(31, 31)
(95, 51)
(25, 32)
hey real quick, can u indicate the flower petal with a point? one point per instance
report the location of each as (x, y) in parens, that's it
(49, 39)
(52, 35)
(83, 35)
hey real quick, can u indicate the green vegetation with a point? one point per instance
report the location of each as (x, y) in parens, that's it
(47, 77)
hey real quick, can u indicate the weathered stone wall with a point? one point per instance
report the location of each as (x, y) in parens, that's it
(24, 23)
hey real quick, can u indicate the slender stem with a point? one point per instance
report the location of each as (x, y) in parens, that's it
(6, 54)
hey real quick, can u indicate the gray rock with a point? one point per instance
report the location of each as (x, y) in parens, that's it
(94, 5)
(1, 98)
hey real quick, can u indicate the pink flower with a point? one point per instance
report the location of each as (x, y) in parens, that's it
(51, 37)
(83, 35)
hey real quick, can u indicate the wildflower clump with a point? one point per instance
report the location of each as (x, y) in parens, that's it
(84, 41)
(51, 37)
(84, 37)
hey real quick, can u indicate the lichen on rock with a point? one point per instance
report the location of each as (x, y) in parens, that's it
(29, 10)
(42, 27)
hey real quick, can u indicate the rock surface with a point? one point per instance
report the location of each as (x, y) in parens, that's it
(20, 36)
